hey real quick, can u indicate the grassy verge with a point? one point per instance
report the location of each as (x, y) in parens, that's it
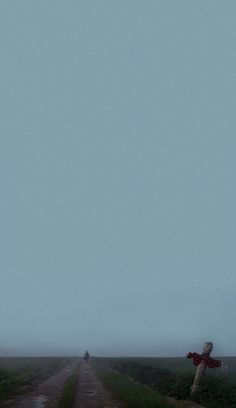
(131, 394)
(68, 395)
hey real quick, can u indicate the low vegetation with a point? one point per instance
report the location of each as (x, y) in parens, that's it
(18, 375)
(214, 392)
(11, 383)
(68, 396)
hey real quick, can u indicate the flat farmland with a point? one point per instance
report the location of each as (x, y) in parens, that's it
(182, 364)
(141, 382)
(173, 378)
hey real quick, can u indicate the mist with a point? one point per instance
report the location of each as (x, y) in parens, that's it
(117, 152)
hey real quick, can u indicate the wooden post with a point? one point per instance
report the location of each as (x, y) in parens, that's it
(201, 369)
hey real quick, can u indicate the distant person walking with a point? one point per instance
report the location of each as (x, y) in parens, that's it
(86, 356)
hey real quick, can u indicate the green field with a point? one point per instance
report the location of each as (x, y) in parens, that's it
(182, 364)
(173, 377)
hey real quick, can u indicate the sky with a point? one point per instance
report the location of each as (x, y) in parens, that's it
(117, 167)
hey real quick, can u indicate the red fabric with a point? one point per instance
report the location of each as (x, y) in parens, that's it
(208, 361)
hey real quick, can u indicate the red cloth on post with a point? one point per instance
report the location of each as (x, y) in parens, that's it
(208, 361)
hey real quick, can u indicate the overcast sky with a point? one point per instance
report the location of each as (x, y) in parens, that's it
(118, 166)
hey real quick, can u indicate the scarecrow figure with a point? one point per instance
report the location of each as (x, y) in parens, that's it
(202, 361)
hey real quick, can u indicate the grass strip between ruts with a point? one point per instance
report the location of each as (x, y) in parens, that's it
(68, 395)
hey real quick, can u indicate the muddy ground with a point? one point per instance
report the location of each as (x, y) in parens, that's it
(46, 394)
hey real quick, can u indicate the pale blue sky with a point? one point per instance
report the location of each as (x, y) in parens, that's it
(118, 165)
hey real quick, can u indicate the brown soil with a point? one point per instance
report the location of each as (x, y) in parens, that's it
(91, 392)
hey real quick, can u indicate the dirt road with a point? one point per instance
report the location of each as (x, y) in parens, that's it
(46, 394)
(91, 393)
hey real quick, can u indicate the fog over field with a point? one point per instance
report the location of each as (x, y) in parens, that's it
(118, 165)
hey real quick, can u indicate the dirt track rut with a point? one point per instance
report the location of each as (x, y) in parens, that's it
(91, 392)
